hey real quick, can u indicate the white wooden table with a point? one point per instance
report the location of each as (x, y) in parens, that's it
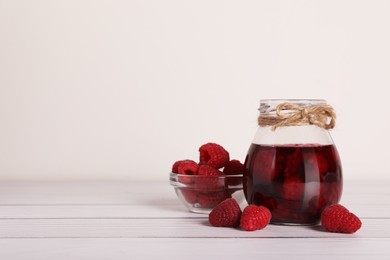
(145, 220)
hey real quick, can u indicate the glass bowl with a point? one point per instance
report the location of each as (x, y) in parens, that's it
(200, 194)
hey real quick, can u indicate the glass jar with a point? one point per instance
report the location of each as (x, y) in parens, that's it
(292, 166)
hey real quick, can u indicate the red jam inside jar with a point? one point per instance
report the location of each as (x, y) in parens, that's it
(296, 182)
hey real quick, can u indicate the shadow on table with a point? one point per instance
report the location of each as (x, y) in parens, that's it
(317, 228)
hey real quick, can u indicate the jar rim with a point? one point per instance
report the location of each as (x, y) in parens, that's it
(269, 105)
(294, 100)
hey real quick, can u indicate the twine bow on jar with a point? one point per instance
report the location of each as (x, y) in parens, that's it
(291, 114)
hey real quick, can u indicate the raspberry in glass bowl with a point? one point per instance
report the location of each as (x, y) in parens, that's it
(200, 193)
(202, 185)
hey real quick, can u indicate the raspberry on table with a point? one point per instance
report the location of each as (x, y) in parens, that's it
(213, 155)
(226, 214)
(255, 217)
(337, 218)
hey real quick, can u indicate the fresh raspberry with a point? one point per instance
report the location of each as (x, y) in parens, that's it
(214, 155)
(206, 170)
(226, 214)
(255, 217)
(175, 166)
(208, 179)
(234, 167)
(187, 167)
(337, 218)
(212, 199)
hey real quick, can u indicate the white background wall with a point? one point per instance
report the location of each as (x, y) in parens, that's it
(122, 89)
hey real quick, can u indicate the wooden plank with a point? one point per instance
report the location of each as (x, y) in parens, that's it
(85, 193)
(366, 199)
(141, 193)
(97, 211)
(147, 211)
(132, 199)
(195, 248)
(169, 228)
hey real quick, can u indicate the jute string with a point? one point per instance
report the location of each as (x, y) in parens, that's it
(321, 115)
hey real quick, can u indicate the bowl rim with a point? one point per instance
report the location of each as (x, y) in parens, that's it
(198, 176)
(177, 184)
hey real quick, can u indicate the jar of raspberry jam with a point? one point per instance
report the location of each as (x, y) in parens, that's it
(292, 166)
